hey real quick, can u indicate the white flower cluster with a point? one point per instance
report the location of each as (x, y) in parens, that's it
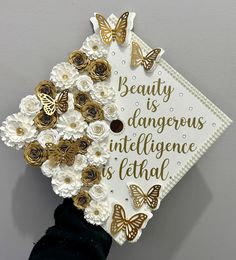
(94, 47)
(20, 129)
(64, 75)
(98, 211)
(17, 130)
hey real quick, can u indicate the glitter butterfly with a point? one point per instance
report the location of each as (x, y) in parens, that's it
(63, 153)
(140, 198)
(148, 61)
(131, 226)
(51, 105)
(118, 33)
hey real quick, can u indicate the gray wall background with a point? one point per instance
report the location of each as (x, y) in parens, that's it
(197, 219)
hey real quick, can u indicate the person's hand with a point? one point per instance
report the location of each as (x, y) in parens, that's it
(72, 238)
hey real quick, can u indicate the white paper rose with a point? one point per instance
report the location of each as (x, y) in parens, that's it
(98, 153)
(110, 111)
(94, 47)
(71, 125)
(30, 105)
(80, 162)
(98, 130)
(64, 75)
(103, 93)
(97, 212)
(17, 130)
(48, 136)
(66, 183)
(84, 83)
(50, 170)
(98, 192)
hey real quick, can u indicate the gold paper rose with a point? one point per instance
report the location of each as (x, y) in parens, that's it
(43, 121)
(46, 87)
(91, 175)
(35, 154)
(80, 99)
(99, 70)
(82, 200)
(82, 144)
(79, 59)
(92, 111)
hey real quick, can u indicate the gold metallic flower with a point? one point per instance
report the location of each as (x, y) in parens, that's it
(92, 111)
(91, 175)
(81, 98)
(82, 144)
(82, 200)
(46, 87)
(43, 121)
(99, 70)
(79, 59)
(35, 154)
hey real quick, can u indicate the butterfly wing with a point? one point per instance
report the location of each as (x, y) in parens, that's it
(49, 104)
(137, 195)
(69, 156)
(153, 195)
(121, 28)
(118, 219)
(134, 225)
(150, 59)
(54, 153)
(62, 102)
(136, 55)
(105, 29)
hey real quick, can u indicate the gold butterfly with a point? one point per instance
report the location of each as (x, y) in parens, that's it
(62, 153)
(147, 61)
(130, 226)
(140, 198)
(108, 34)
(51, 105)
